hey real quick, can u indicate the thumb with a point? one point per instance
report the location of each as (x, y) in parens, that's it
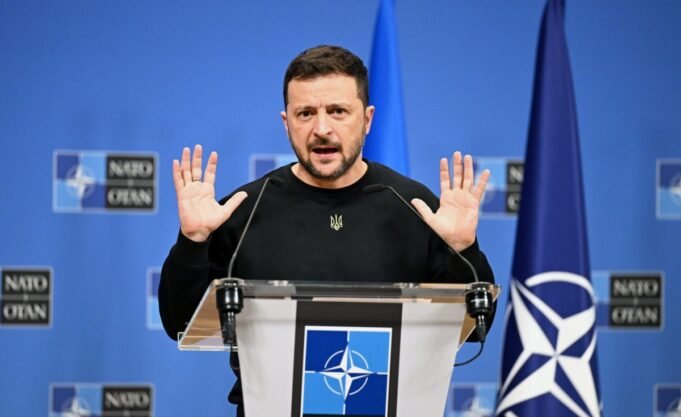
(232, 204)
(423, 209)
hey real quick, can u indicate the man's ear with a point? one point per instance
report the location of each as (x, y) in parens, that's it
(284, 119)
(368, 118)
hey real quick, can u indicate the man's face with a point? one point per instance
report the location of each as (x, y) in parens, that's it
(326, 124)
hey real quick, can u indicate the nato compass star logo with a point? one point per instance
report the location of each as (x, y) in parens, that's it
(346, 371)
(668, 400)
(669, 188)
(80, 181)
(477, 409)
(675, 189)
(346, 376)
(552, 364)
(75, 400)
(471, 400)
(674, 409)
(76, 408)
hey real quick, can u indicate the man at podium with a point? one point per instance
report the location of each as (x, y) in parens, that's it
(332, 215)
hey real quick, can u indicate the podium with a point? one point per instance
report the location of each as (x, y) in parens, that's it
(340, 348)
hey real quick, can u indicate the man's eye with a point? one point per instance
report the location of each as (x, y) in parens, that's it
(338, 111)
(304, 114)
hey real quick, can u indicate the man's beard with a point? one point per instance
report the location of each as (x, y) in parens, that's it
(346, 163)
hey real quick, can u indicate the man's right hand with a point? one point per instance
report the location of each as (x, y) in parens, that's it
(200, 214)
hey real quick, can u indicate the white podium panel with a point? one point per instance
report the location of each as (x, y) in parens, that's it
(312, 349)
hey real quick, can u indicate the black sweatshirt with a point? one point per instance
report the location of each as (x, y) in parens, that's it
(296, 235)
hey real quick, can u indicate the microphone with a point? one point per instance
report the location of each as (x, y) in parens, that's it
(229, 296)
(478, 298)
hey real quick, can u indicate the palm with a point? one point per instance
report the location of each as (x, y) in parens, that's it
(200, 214)
(457, 215)
(198, 210)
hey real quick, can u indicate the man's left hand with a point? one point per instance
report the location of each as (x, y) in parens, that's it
(456, 220)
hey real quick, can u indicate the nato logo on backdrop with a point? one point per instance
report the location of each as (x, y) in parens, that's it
(261, 164)
(153, 315)
(101, 400)
(466, 400)
(346, 371)
(97, 181)
(502, 196)
(667, 400)
(26, 297)
(628, 300)
(669, 189)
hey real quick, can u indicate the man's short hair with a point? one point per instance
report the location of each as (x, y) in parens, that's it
(324, 60)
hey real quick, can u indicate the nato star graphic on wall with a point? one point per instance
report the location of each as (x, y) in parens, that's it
(77, 408)
(667, 400)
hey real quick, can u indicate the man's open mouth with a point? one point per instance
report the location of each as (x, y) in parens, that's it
(324, 150)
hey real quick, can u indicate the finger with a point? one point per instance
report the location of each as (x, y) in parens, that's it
(423, 209)
(445, 184)
(211, 168)
(184, 166)
(457, 167)
(177, 176)
(480, 187)
(467, 172)
(232, 204)
(196, 163)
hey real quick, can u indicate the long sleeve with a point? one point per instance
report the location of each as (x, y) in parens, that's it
(478, 260)
(185, 276)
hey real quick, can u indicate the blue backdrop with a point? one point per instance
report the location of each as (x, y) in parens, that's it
(120, 87)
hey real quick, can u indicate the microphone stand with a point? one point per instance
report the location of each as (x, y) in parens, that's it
(229, 296)
(479, 303)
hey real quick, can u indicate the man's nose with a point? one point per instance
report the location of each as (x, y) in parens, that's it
(322, 125)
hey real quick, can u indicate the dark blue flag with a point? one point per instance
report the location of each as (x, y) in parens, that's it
(549, 366)
(386, 143)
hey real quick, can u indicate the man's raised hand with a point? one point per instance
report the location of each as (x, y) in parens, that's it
(200, 214)
(456, 220)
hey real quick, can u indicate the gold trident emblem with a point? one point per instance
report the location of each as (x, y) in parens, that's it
(337, 222)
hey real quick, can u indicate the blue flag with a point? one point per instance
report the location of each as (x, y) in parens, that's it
(549, 366)
(386, 143)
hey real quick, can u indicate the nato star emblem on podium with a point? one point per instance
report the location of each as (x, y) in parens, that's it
(350, 377)
(346, 371)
